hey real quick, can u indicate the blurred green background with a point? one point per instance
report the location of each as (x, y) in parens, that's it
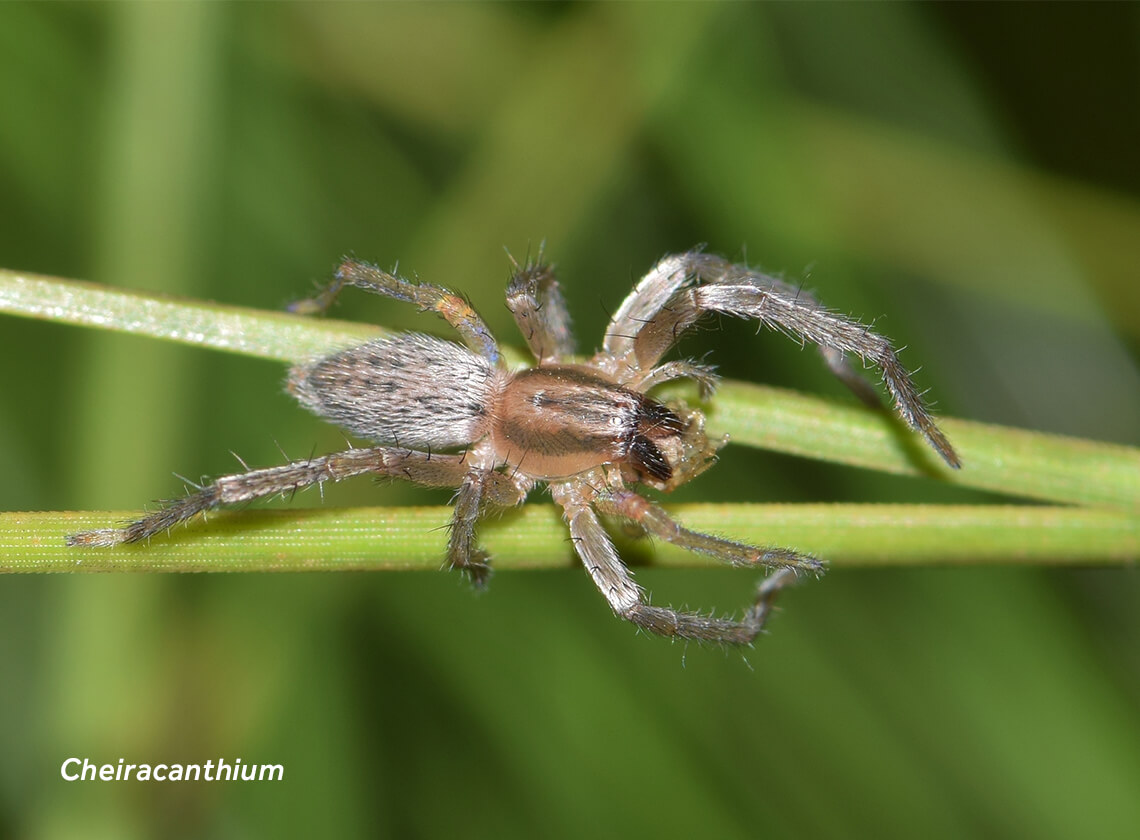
(966, 175)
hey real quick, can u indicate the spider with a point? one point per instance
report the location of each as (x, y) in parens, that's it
(448, 414)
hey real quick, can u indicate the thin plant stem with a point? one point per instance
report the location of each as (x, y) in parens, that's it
(1016, 462)
(533, 537)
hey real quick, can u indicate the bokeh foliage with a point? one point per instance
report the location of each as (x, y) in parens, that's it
(967, 173)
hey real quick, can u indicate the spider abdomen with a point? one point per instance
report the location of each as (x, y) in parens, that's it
(411, 390)
(558, 421)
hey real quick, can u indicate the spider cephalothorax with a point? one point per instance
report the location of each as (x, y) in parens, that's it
(446, 414)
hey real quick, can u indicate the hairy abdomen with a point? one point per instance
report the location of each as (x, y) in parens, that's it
(412, 390)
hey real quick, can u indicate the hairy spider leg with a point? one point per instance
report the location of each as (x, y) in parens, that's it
(477, 489)
(450, 306)
(720, 286)
(839, 363)
(627, 599)
(648, 298)
(654, 293)
(655, 521)
(535, 299)
(703, 375)
(422, 468)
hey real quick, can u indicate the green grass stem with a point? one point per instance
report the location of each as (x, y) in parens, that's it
(533, 537)
(1016, 462)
